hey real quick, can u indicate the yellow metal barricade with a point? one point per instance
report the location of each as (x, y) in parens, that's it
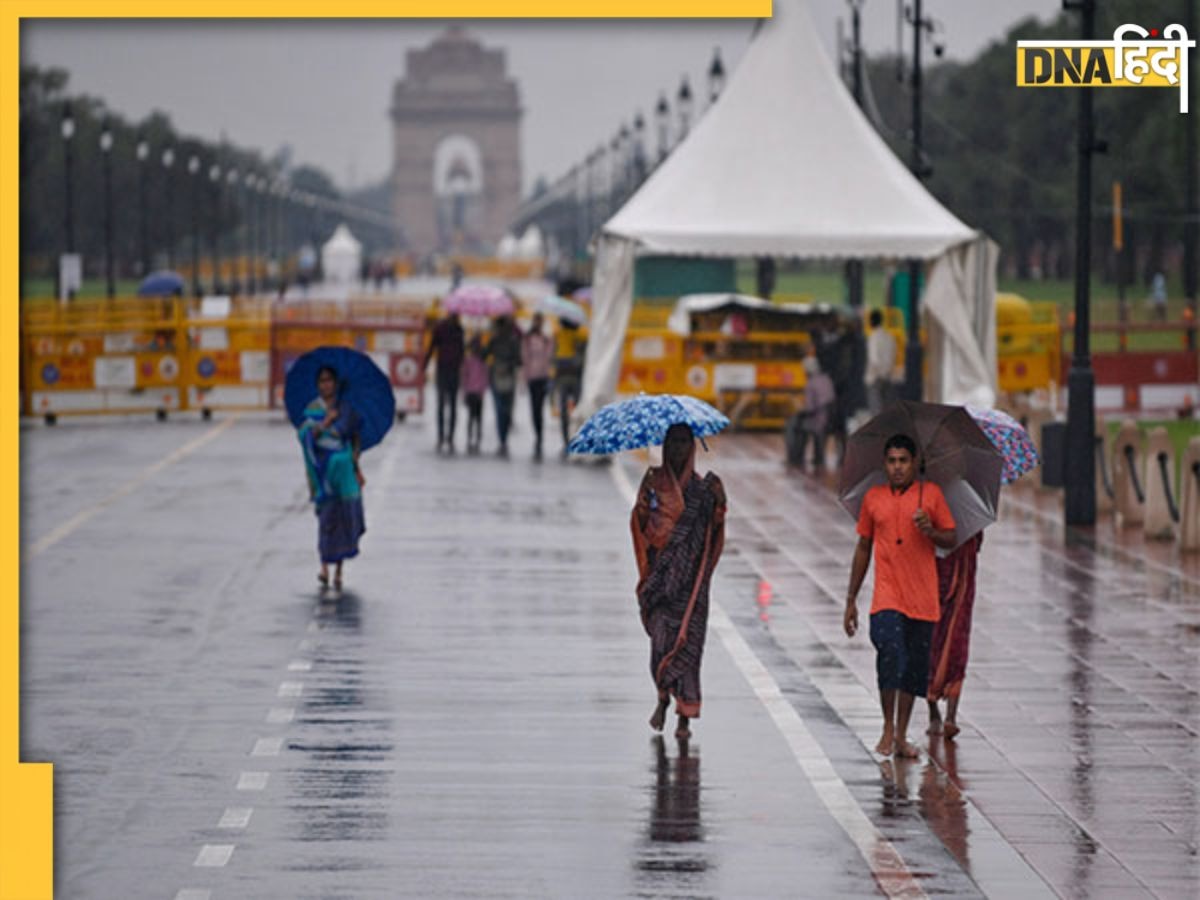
(227, 363)
(102, 356)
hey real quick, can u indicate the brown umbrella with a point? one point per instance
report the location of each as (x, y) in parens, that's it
(954, 454)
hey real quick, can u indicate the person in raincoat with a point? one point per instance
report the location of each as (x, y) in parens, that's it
(329, 437)
(678, 525)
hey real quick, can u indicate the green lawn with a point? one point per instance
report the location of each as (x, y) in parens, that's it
(824, 283)
(92, 287)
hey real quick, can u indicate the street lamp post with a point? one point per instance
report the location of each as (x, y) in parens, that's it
(231, 179)
(662, 119)
(143, 153)
(913, 355)
(193, 168)
(106, 143)
(248, 186)
(639, 148)
(1079, 505)
(68, 132)
(854, 267)
(168, 160)
(716, 76)
(683, 102)
(214, 178)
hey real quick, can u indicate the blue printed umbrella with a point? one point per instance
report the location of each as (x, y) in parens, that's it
(642, 421)
(162, 284)
(364, 391)
(1011, 439)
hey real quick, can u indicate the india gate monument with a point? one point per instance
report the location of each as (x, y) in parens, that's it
(456, 171)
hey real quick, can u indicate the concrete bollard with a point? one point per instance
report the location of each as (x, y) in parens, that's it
(1189, 497)
(1159, 485)
(1104, 487)
(1127, 469)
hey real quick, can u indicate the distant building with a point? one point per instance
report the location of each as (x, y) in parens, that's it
(456, 176)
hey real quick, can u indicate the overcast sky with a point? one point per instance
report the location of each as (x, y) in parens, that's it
(324, 87)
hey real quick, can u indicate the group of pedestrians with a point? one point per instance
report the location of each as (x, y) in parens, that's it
(494, 362)
(845, 374)
(920, 616)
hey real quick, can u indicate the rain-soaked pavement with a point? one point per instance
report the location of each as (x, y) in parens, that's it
(470, 719)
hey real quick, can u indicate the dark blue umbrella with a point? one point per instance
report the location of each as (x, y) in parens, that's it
(162, 284)
(364, 391)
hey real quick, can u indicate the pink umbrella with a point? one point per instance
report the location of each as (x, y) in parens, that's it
(479, 300)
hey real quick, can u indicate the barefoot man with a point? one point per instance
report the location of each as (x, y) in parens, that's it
(900, 522)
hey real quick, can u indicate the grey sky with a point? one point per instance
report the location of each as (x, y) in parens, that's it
(324, 87)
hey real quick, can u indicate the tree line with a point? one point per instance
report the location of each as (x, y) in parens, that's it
(289, 206)
(1003, 158)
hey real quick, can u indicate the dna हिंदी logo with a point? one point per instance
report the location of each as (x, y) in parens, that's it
(1134, 57)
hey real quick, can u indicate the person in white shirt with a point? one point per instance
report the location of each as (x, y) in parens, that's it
(881, 364)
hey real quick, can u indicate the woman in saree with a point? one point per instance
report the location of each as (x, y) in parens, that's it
(678, 525)
(329, 436)
(951, 640)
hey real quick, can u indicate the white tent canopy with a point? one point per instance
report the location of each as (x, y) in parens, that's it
(783, 165)
(341, 256)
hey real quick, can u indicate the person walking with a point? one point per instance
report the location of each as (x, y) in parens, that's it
(475, 385)
(951, 642)
(881, 364)
(812, 422)
(447, 344)
(329, 437)
(568, 373)
(678, 526)
(537, 350)
(503, 354)
(899, 524)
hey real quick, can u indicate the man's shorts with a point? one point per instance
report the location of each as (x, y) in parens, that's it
(901, 651)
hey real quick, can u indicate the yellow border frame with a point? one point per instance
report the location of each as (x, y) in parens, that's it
(27, 789)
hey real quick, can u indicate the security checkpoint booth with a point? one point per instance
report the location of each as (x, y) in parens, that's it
(823, 185)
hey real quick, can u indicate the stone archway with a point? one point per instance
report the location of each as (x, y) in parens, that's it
(456, 172)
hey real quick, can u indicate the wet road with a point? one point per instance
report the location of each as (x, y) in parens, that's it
(469, 721)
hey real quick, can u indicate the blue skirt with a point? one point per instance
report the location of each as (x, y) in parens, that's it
(340, 525)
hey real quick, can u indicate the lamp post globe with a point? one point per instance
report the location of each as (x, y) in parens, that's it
(716, 76)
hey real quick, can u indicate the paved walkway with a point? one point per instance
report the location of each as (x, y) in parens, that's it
(470, 720)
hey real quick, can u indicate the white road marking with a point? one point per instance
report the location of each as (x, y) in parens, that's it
(193, 894)
(291, 688)
(214, 855)
(236, 817)
(253, 781)
(267, 747)
(300, 665)
(53, 537)
(886, 864)
(279, 715)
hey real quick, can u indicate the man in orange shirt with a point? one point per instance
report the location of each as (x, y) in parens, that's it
(901, 522)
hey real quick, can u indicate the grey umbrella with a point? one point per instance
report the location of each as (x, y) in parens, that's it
(954, 454)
